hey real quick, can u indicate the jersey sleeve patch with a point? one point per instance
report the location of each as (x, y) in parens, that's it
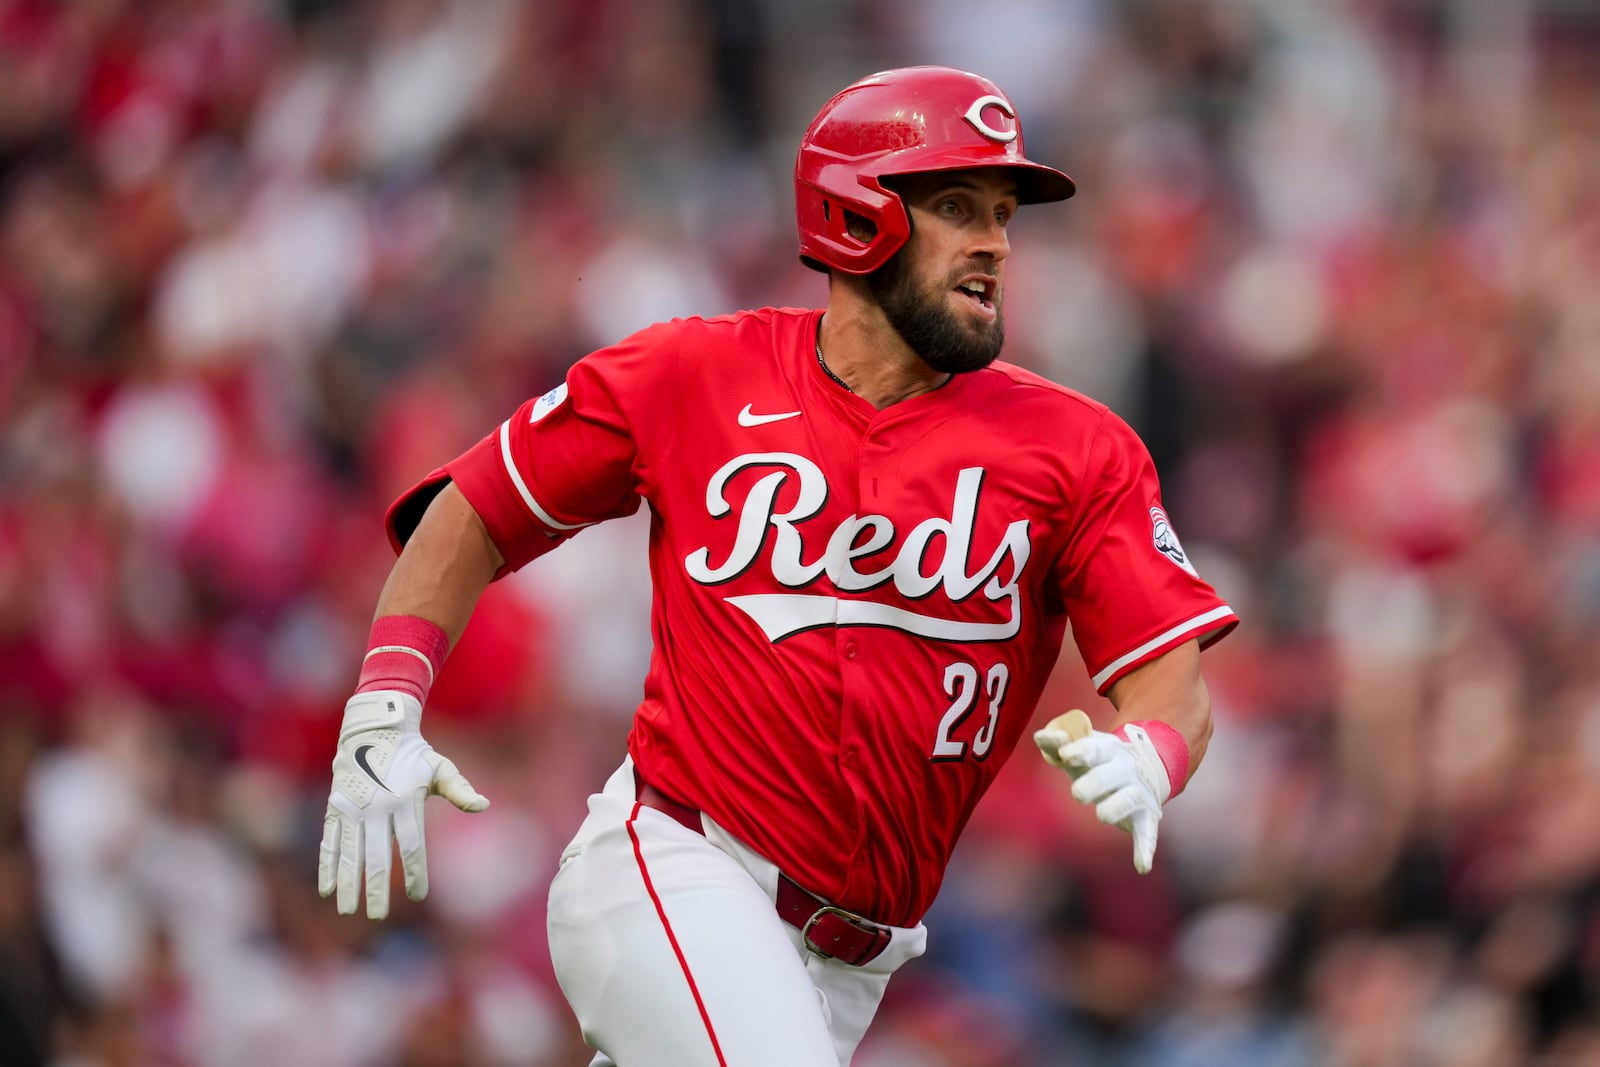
(548, 403)
(1166, 541)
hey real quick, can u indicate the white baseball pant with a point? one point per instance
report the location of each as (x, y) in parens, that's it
(669, 948)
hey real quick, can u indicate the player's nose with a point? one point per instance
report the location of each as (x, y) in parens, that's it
(990, 241)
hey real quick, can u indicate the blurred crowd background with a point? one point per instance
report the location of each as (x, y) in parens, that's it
(263, 263)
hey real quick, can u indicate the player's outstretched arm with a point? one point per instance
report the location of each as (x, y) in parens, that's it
(1162, 727)
(383, 770)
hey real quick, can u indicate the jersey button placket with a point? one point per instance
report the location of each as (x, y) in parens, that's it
(848, 648)
(855, 684)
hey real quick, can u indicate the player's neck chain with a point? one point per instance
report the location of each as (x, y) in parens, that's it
(828, 371)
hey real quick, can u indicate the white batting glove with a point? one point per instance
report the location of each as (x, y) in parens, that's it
(382, 772)
(1125, 780)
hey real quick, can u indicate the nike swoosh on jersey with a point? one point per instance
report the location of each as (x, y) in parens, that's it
(749, 418)
(361, 761)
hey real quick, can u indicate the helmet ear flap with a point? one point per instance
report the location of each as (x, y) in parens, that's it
(825, 217)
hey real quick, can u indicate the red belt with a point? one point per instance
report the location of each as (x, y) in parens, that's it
(830, 932)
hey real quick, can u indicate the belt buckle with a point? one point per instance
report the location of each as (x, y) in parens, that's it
(856, 921)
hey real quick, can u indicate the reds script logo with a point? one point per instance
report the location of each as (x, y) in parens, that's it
(847, 547)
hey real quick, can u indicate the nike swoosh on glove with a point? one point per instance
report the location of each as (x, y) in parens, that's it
(1124, 779)
(382, 772)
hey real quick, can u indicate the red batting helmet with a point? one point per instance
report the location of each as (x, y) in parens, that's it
(906, 121)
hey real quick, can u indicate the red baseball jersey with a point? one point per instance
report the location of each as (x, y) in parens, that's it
(855, 611)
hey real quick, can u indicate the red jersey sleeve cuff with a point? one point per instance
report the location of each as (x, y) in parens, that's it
(400, 521)
(516, 525)
(1209, 627)
(520, 527)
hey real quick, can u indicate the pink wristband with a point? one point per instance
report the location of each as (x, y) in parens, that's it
(404, 652)
(1170, 746)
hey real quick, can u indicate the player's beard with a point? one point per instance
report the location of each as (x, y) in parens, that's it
(922, 317)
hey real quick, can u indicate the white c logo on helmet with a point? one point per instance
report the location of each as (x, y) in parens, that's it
(974, 115)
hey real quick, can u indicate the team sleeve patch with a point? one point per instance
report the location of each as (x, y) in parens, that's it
(548, 403)
(1166, 541)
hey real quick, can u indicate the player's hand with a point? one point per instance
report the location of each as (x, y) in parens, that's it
(1123, 778)
(382, 773)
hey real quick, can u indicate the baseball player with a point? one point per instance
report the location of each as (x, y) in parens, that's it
(868, 539)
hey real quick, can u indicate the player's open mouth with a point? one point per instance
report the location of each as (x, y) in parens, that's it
(981, 290)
